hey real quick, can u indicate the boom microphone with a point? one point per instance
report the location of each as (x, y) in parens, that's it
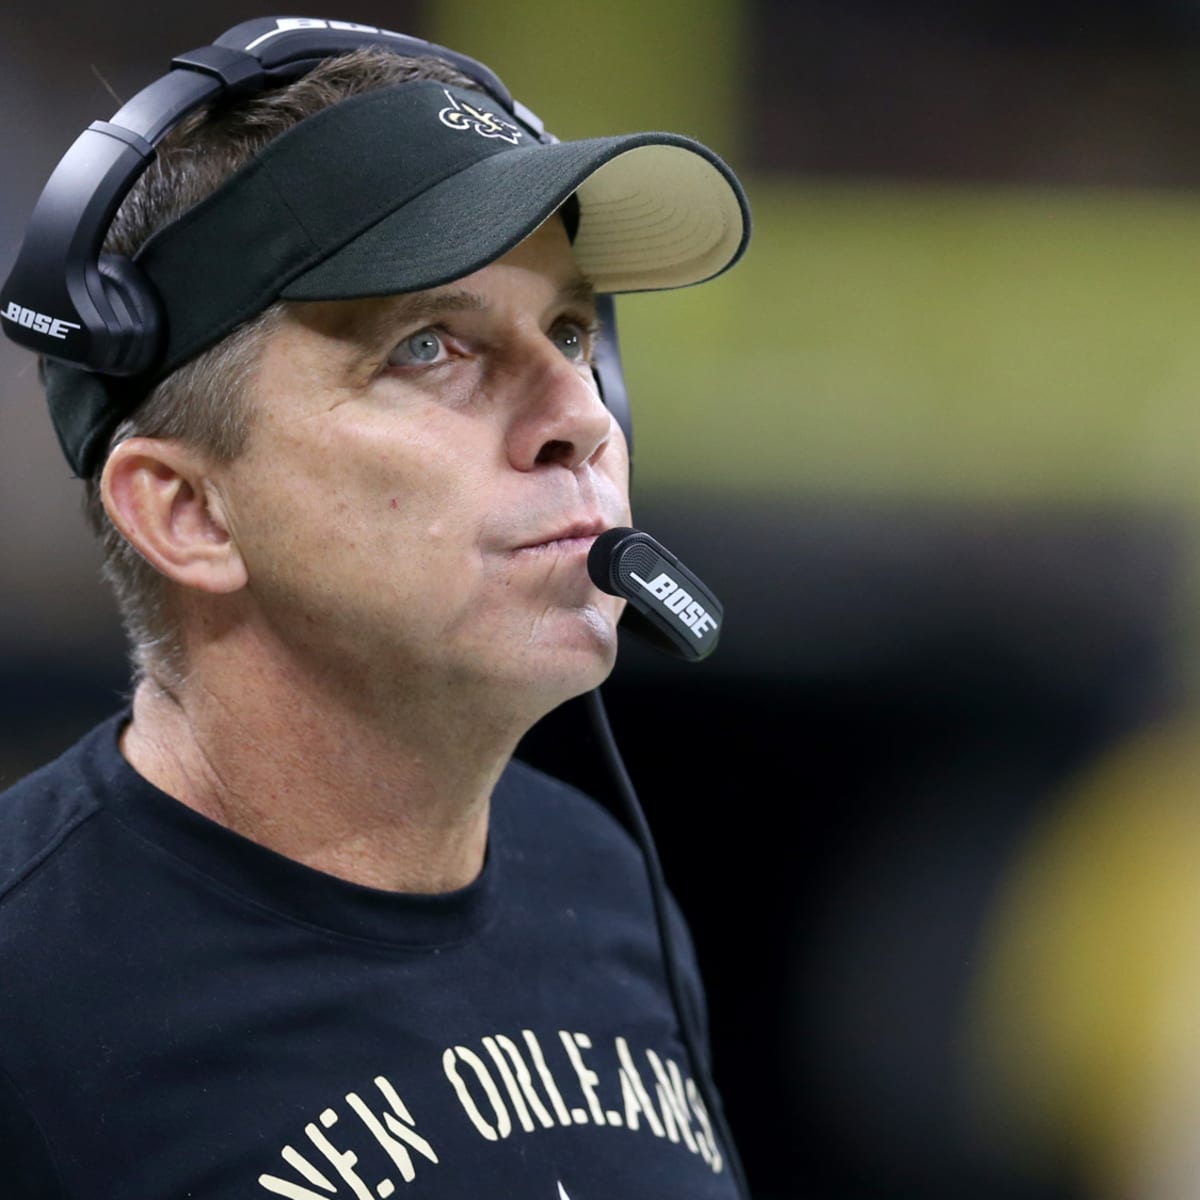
(674, 611)
(671, 607)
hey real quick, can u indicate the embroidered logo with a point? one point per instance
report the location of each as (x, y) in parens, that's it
(460, 114)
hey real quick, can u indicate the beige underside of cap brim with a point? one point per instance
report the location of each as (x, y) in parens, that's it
(655, 217)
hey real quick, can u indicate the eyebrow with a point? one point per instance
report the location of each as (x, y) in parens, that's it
(376, 319)
(415, 306)
(577, 291)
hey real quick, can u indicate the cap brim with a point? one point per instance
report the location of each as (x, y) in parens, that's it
(656, 211)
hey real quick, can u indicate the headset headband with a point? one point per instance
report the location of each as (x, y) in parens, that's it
(55, 300)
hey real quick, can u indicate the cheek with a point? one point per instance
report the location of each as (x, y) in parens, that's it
(366, 482)
(435, 507)
(423, 530)
(612, 470)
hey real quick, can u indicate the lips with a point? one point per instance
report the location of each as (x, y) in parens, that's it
(588, 528)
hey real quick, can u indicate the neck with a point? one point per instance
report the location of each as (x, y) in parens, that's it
(393, 794)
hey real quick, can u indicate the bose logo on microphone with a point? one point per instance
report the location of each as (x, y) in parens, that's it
(676, 600)
(56, 327)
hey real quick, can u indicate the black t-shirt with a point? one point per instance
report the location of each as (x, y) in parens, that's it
(184, 1013)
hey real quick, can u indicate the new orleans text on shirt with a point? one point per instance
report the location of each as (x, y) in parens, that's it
(510, 1086)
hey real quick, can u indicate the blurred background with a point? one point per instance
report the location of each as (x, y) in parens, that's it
(932, 807)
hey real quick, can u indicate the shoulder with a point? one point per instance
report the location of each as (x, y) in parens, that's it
(42, 812)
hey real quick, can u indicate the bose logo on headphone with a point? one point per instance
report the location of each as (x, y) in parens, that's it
(56, 327)
(288, 24)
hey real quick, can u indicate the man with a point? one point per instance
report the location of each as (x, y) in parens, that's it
(296, 923)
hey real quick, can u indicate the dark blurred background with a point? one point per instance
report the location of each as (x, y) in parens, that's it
(934, 443)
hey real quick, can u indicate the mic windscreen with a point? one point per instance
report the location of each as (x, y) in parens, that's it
(677, 612)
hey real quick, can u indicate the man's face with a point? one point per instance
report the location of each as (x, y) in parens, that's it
(425, 476)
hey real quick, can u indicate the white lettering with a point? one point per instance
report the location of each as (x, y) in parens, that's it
(662, 586)
(708, 1142)
(672, 1100)
(343, 1162)
(509, 1086)
(295, 1191)
(56, 327)
(287, 24)
(450, 1060)
(399, 1132)
(588, 1079)
(675, 599)
(675, 603)
(520, 1086)
(539, 1062)
(634, 1094)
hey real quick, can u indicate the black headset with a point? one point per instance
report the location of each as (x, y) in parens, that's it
(66, 299)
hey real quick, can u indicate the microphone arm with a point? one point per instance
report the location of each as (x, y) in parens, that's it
(672, 609)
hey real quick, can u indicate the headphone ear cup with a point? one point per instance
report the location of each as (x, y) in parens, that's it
(138, 330)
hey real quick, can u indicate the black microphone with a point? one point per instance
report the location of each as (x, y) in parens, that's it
(670, 607)
(674, 611)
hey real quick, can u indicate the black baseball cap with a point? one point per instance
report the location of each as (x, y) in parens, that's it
(402, 189)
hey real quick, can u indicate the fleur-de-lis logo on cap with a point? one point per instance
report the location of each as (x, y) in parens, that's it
(460, 114)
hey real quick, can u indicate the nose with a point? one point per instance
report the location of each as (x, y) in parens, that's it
(560, 419)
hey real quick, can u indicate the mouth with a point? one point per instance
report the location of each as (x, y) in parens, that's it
(575, 538)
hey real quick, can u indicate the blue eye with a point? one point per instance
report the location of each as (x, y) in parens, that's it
(419, 349)
(571, 339)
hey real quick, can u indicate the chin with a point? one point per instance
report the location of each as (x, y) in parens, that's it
(577, 658)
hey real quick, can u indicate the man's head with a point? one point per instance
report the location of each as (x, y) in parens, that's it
(415, 497)
(203, 403)
(370, 176)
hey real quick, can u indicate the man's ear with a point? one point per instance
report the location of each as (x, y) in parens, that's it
(158, 494)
